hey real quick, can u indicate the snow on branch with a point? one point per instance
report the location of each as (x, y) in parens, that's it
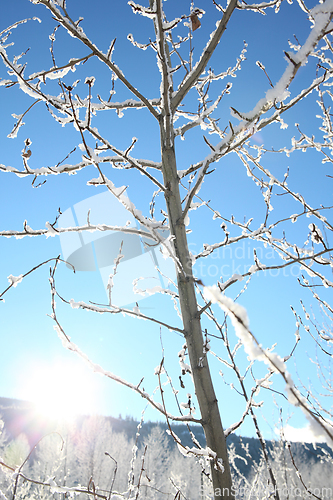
(58, 72)
(51, 483)
(259, 7)
(113, 309)
(7, 31)
(127, 104)
(140, 9)
(199, 120)
(322, 14)
(320, 427)
(26, 86)
(15, 280)
(289, 253)
(20, 121)
(196, 451)
(152, 225)
(283, 185)
(75, 30)
(28, 231)
(93, 159)
(164, 64)
(205, 111)
(141, 46)
(236, 425)
(199, 68)
(72, 169)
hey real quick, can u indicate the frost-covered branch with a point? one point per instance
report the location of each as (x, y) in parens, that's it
(296, 196)
(203, 117)
(51, 483)
(32, 89)
(233, 364)
(291, 259)
(78, 33)
(259, 7)
(15, 280)
(113, 309)
(58, 71)
(163, 61)
(193, 76)
(199, 119)
(52, 231)
(125, 157)
(127, 104)
(249, 125)
(118, 161)
(320, 426)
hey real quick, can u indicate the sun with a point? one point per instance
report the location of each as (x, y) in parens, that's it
(62, 390)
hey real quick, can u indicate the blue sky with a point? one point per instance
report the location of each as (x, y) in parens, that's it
(31, 351)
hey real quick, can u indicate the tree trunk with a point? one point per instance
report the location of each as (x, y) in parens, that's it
(204, 389)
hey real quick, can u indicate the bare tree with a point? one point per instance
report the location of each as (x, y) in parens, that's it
(182, 76)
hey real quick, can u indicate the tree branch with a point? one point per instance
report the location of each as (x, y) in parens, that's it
(192, 77)
(79, 33)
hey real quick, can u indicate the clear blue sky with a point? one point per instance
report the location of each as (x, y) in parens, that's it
(30, 349)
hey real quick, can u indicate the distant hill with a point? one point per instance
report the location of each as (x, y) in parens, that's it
(21, 417)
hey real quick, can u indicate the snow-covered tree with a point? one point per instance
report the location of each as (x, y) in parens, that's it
(16, 451)
(191, 98)
(156, 458)
(96, 443)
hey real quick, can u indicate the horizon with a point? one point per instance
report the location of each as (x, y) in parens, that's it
(289, 433)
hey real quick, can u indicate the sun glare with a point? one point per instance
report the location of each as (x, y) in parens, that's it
(62, 390)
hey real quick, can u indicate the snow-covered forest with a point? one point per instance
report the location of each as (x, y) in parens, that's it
(114, 458)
